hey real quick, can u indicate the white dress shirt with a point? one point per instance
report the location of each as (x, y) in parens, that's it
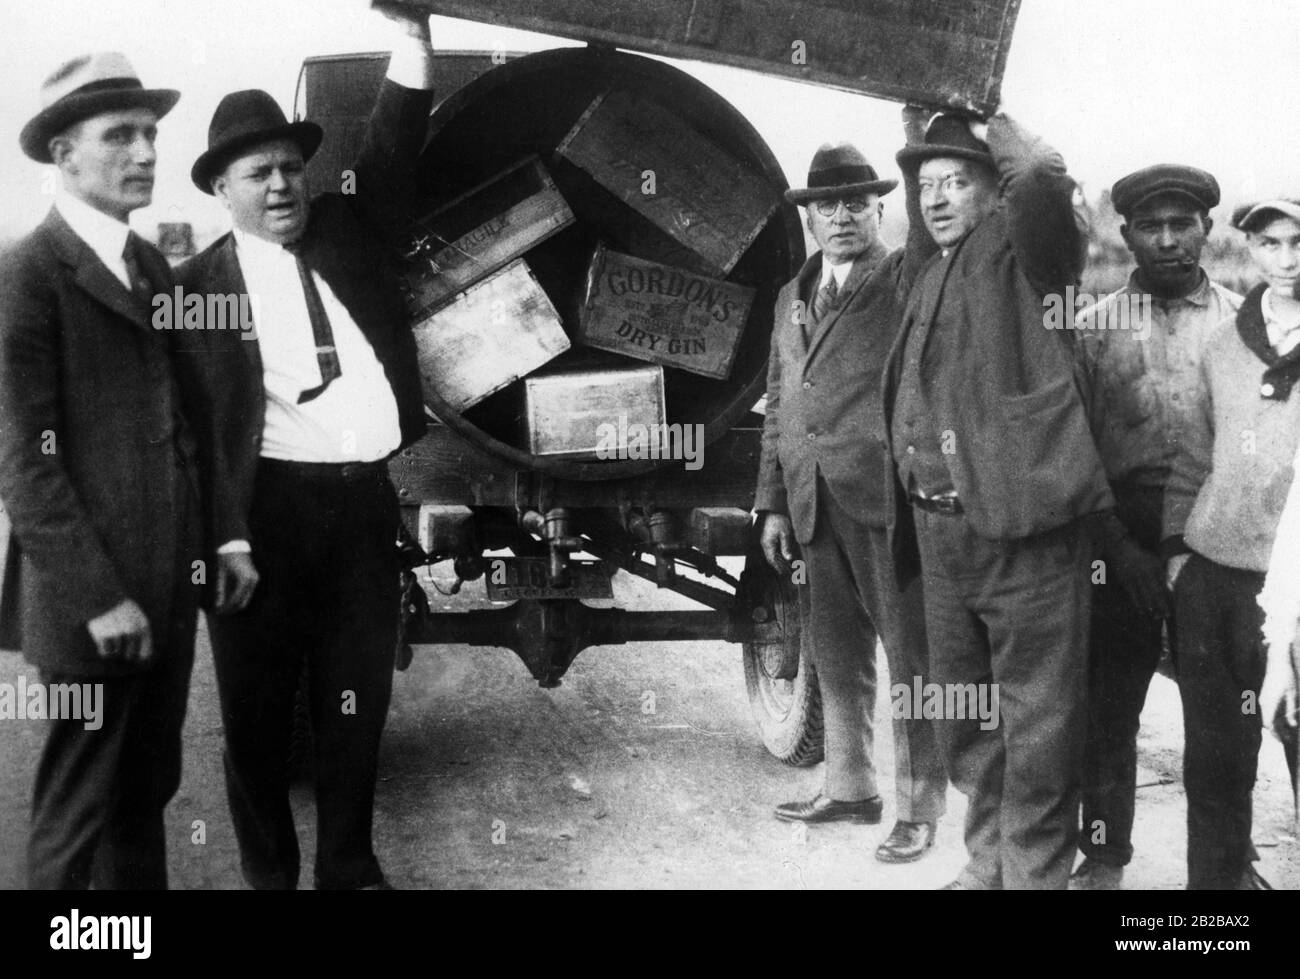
(841, 272)
(105, 235)
(1283, 335)
(355, 418)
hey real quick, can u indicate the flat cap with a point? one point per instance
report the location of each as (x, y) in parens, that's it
(1164, 178)
(1250, 217)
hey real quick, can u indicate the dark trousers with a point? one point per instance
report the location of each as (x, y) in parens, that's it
(1011, 615)
(1221, 658)
(324, 546)
(97, 807)
(854, 595)
(1124, 651)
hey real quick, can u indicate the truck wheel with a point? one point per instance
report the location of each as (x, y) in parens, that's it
(787, 709)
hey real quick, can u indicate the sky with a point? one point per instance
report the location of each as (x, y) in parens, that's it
(1113, 85)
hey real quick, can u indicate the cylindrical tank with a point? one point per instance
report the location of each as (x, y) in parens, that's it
(527, 106)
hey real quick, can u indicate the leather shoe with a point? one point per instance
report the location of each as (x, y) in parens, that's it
(1093, 875)
(824, 810)
(1252, 881)
(906, 842)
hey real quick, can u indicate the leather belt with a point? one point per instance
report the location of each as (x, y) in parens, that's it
(329, 471)
(947, 504)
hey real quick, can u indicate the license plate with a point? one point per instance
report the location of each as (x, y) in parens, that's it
(512, 578)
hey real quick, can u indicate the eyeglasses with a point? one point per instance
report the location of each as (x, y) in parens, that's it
(854, 205)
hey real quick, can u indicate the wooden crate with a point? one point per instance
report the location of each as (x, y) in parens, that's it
(481, 231)
(704, 197)
(491, 335)
(924, 51)
(663, 314)
(568, 413)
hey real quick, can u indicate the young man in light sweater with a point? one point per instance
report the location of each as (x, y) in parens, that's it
(1229, 480)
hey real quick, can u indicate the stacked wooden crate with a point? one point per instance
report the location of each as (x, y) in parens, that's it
(483, 321)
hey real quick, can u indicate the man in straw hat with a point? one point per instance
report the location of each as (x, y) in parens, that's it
(97, 471)
(300, 421)
(995, 469)
(823, 466)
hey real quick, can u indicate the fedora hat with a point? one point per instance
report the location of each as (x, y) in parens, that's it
(243, 120)
(947, 135)
(84, 87)
(838, 171)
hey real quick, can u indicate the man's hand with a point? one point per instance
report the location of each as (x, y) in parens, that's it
(236, 578)
(1174, 569)
(415, 22)
(1142, 576)
(777, 540)
(122, 633)
(916, 118)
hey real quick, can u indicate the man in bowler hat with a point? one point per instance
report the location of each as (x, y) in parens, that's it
(299, 422)
(996, 469)
(97, 471)
(820, 484)
(1140, 352)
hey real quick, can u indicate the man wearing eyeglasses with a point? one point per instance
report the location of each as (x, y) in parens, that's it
(821, 485)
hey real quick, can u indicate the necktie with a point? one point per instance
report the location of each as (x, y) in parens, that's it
(141, 288)
(824, 301)
(327, 358)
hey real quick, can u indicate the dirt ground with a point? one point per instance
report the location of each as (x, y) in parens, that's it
(490, 782)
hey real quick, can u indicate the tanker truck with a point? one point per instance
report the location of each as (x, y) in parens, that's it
(594, 252)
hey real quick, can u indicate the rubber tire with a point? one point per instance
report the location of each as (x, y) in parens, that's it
(788, 712)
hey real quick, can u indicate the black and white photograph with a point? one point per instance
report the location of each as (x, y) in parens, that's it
(650, 445)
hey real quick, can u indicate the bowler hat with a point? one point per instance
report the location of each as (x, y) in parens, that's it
(243, 120)
(839, 171)
(947, 135)
(1164, 178)
(1248, 217)
(84, 87)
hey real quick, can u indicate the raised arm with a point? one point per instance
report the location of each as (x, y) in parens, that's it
(1048, 230)
(385, 168)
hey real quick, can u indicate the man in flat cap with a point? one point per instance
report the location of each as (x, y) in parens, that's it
(1140, 352)
(300, 422)
(996, 469)
(97, 472)
(1228, 482)
(823, 466)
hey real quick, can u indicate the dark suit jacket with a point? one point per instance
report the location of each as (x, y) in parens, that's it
(347, 242)
(89, 453)
(831, 388)
(1024, 461)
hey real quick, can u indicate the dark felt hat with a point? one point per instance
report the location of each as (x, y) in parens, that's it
(244, 120)
(1165, 178)
(839, 171)
(85, 87)
(1249, 217)
(947, 135)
